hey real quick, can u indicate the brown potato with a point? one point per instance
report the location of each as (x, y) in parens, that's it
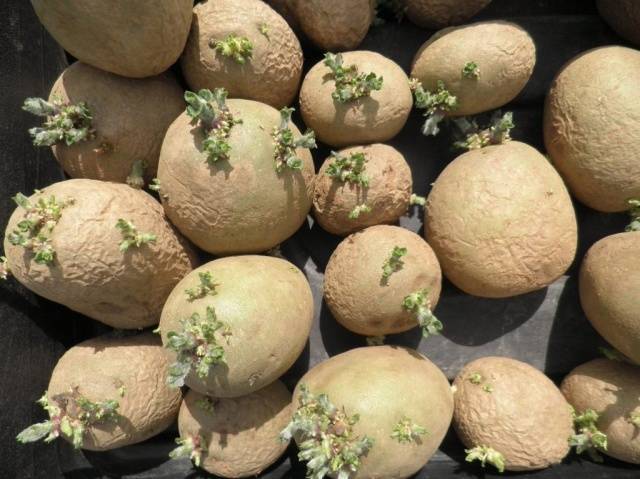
(623, 16)
(369, 119)
(286, 8)
(102, 34)
(89, 273)
(505, 60)
(513, 408)
(501, 222)
(595, 143)
(435, 14)
(271, 75)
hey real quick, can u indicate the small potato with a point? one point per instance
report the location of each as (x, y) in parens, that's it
(435, 14)
(623, 16)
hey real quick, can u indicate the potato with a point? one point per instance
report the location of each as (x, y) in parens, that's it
(264, 310)
(623, 16)
(403, 401)
(435, 14)
(80, 264)
(386, 192)
(594, 143)
(286, 8)
(365, 288)
(514, 409)
(377, 117)
(133, 39)
(612, 390)
(241, 434)
(269, 71)
(504, 61)
(501, 222)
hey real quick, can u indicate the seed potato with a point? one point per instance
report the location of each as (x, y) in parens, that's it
(623, 16)
(435, 14)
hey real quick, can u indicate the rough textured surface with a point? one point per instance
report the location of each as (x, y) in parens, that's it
(272, 74)
(267, 304)
(501, 222)
(130, 116)
(99, 367)
(623, 16)
(524, 417)
(355, 291)
(612, 389)
(375, 118)
(505, 57)
(242, 434)
(241, 205)
(610, 291)
(383, 384)
(130, 38)
(591, 127)
(90, 274)
(434, 14)
(388, 193)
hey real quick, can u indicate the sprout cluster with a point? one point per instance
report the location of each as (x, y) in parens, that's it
(349, 169)
(206, 404)
(417, 200)
(136, 177)
(634, 212)
(206, 287)
(471, 70)
(587, 437)
(393, 263)
(355, 213)
(477, 379)
(238, 48)
(350, 85)
(418, 304)
(285, 144)
(5, 271)
(485, 455)
(193, 447)
(436, 105)
(406, 431)
(131, 236)
(65, 123)
(497, 133)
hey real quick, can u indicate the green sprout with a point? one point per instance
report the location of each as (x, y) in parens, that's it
(206, 287)
(349, 169)
(238, 48)
(136, 177)
(634, 418)
(634, 212)
(417, 200)
(325, 437)
(285, 144)
(471, 70)
(418, 304)
(406, 431)
(350, 85)
(475, 378)
(131, 237)
(613, 355)
(393, 263)
(263, 28)
(193, 447)
(5, 271)
(157, 187)
(587, 437)
(488, 388)
(497, 133)
(206, 404)
(436, 105)
(70, 414)
(355, 213)
(65, 123)
(485, 455)
(122, 391)
(376, 340)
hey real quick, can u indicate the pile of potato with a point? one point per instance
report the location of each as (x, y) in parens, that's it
(159, 177)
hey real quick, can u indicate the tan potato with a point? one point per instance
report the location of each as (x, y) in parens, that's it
(286, 8)
(241, 434)
(501, 222)
(387, 195)
(271, 75)
(133, 39)
(365, 300)
(505, 59)
(595, 143)
(89, 273)
(612, 390)
(623, 16)
(435, 14)
(513, 408)
(369, 119)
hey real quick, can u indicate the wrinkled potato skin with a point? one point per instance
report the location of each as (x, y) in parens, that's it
(595, 144)
(353, 286)
(388, 194)
(623, 16)
(136, 39)
(90, 274)
(272, 75)
(376, 118)
(130, 116)
(501, 221)
(383, 384)
(506, 57)
(435, 14)
(242, 434)
(241, 205)
(267, 304)
(612, 389)
(525, 417)
(610, 291)
(99, 366)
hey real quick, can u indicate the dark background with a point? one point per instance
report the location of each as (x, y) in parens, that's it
(546, 328)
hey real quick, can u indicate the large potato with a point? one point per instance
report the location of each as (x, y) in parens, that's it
(514, 409)
(505, 59)
(501, 222)
(591, 127)
(89, 272)
(623, 16)
(436, 14)
(130, 38)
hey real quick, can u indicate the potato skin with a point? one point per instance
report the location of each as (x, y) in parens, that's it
(525, 417)
(623, 16)
(595, 144)
(435, 14)
(383, 384)
(612, 389)
(353, 286)
(100, 366)
(100, 33)
(89, 274)
(376, 118)
(506, 58)
(130, 116)
(241, 205)
(242, 434)
(610, 291)
(268, 306)
(501, 221)
(272, 75)
(388, 194)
